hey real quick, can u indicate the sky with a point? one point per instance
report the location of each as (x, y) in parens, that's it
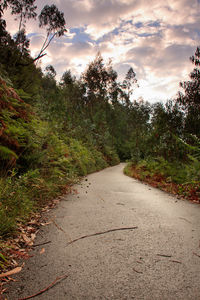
(154, 37)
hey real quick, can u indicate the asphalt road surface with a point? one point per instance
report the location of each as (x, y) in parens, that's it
(158, 260)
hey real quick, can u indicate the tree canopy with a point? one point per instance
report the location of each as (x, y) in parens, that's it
(50, 18)
(189, 100)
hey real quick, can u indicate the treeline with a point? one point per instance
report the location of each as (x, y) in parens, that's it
(53, 132)
(169, 154)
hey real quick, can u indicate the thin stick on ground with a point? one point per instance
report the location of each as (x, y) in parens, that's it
(41, 244)
(164, 255)
(137, 271)
(100, 233)
(46, 289)
(176, 261)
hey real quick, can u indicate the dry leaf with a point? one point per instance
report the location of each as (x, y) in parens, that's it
(22, 250)
(33, 235)
(32, 222)
(42, 251)
(27, 240)
(30, 229)
(12, 279)
(12, 272)
(14, 262)
(45, 224)
(16, 240)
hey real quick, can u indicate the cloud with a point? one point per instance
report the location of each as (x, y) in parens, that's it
(154, 37)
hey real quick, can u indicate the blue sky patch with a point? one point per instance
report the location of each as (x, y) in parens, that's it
(154, 24)
(80, 36)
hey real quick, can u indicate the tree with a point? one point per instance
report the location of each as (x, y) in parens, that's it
(192, 87)
(190, 99)
(125, 90)
(54, 21)
(166, 126)
(99, 79)
(51, 72)
(22, 42)
(50, 18)
(24, 9)
(67, 78)
(2, 22)
(129, 82)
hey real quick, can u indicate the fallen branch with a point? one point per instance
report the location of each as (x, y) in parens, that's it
(41, 244)
(100, 233)
(45, 289)
(164, 255)
(176, 261)
(137, 271)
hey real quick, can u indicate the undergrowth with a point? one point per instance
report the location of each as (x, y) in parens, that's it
(176, 178)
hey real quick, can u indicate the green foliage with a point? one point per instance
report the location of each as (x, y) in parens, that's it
(61, 163)
(193, 169)
(46, 159)
(6, 153)
(182, 168)
(189, 100)
(14, 203)
(4, 75)
(3, 261)
(24, 96)
(172, 171)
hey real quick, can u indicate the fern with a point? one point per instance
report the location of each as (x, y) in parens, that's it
(4, 76)
(6, 153)
(194, 150)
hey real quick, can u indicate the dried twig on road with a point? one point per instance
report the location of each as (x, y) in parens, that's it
(41, 244)
(137, 271)
(176, 261)
(164, 255)
(47, 288)
(100, 233)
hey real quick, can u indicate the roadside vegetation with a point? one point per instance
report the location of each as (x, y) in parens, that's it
(51, 133)
(170, 156)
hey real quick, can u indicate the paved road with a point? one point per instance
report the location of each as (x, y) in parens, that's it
(122, 264)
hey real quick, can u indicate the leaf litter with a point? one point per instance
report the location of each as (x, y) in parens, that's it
(18, 247)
